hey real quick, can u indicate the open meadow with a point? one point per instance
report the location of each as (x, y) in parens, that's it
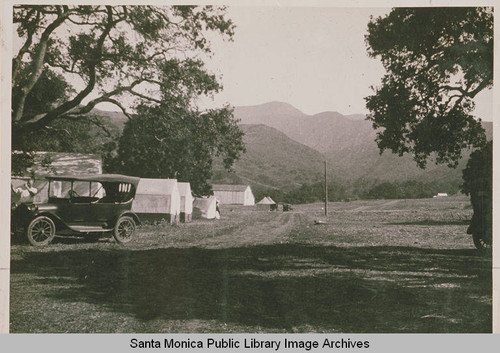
(375, 266)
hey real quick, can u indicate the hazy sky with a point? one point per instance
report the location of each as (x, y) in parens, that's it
(312, 58)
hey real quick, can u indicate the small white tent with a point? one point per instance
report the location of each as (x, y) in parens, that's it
(265, 203)
(205, 207)
(157, 199)
(441, 194)
(187, 200)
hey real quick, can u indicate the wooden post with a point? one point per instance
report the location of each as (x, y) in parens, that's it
(326, 194)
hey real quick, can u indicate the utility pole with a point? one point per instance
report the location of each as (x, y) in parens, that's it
(326, 194)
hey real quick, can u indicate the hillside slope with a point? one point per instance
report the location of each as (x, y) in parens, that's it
(328, 131)
(348, 144)
(273, 160)
(286, 148)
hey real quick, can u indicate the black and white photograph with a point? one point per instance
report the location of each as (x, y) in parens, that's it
(264, 169)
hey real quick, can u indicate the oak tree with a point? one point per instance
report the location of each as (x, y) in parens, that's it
(173, 141)
(437, 60)
(85, 55)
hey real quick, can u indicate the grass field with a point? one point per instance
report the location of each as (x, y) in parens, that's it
(376, 266)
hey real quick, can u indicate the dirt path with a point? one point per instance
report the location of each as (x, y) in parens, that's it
(275, 230)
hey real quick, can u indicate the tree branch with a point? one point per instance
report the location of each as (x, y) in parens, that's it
(67, 106)
(37, 66)
(25, 48)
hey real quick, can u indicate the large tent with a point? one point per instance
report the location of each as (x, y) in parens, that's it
(234, 194)
(187, 199)
(157, 199)
(205, 207)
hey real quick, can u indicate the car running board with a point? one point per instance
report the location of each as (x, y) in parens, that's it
(89, 229)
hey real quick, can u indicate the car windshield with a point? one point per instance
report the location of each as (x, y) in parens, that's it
(86, 191)
(90, 191)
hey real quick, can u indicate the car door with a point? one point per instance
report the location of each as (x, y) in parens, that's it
(104, 209)
(72, 211)
(78, 207)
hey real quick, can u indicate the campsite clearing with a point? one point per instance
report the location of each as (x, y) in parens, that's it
(375, 266)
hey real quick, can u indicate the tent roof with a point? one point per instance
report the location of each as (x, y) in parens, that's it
(226, 187)
(156, 186)
(184, 188)
(266, 201)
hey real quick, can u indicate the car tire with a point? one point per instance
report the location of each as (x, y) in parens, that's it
(41, 231)
(124, 230)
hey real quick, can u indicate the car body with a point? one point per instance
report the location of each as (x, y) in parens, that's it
(83, 204)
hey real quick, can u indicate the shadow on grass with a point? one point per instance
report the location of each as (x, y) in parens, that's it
(276, 287)
(431, 222)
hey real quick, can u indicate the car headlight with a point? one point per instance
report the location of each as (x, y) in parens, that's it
(32, 208)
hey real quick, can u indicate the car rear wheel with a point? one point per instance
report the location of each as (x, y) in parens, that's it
(124, 230)
(41, 231)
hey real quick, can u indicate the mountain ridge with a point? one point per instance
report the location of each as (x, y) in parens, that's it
(286, 148)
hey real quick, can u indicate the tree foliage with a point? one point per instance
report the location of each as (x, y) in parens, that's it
(94, 54)
(478, 174)
(147, 61)
(437, 60)
(169, 142)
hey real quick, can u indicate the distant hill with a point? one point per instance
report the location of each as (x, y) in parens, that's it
(286, 148)
(273, 160)
(117, 119)
(348, 144)
(324, 132)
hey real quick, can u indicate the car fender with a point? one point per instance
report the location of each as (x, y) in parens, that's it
(58, 222)
(130, 214)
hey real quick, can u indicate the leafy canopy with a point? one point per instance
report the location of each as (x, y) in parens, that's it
(147, 61)
(437, 60)
(112, 54)
(168, 142)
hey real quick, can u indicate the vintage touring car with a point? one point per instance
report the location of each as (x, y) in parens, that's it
(90, 205)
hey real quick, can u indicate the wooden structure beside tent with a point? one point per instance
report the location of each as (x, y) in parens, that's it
(205, 207)
(187, 199)
(157, 199)
(234, 194)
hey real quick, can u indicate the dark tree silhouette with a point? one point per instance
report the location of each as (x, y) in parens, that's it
(437, 60)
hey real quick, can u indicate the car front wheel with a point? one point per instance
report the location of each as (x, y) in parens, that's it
(124, 230)
(41, 231)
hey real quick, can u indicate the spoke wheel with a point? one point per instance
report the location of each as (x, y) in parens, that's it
(124, 230)
(41, 231)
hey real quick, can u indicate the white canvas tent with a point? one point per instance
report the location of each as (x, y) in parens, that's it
(205, 207)
(234, 194)
(441, 194)
(265, 203)
(157, 199)
(187, 199)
